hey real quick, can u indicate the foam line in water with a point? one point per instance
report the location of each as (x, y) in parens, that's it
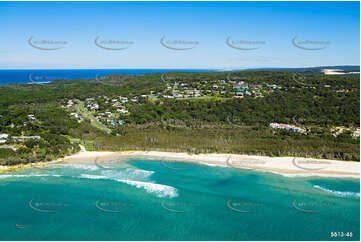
(159, 189)
(339, 193)
(27, 175)
(127, 174)
(89, 176)
(81, 166)
(307, 174)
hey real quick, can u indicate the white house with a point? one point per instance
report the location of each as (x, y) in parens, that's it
(31, 117)
(122, 111)
(274, 125)
(356, 133)
(23, 138)
(287, 127)
(3, 138)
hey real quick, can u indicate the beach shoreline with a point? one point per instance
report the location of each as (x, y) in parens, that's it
(288, 166)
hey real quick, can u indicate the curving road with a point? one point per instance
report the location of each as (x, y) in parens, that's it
(83, 112)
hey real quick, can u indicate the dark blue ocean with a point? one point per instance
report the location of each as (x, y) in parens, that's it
(40, 76)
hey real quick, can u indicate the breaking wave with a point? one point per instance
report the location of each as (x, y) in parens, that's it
(127, 173)
(81, 166)
(339, 193)
(27, 175)
(159, 189)
(89, 176)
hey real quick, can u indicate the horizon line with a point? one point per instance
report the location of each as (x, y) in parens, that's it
(185, 68)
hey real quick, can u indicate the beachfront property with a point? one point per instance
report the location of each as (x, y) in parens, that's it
(287, 127)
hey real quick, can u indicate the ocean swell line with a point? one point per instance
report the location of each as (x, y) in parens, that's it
(159, 189)
(339, 193)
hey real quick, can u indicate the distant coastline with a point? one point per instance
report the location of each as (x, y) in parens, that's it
(24, 76)
(28, 76)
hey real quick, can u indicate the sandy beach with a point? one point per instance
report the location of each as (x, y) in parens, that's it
(337, 72)
(283, 165)
(289, 166)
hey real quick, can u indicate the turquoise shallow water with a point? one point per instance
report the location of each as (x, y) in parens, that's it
(154, 200)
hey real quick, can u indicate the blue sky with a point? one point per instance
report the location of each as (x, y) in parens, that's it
(265, 29)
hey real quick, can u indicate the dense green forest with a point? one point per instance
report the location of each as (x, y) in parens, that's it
(195, 125)
(324, 109)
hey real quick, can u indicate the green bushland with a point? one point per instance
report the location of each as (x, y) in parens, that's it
(228, 139)
(195, 125)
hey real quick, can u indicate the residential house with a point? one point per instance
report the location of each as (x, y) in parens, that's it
(3, 138)
(31, 117)
(356, 133)
(287, 127)
(74, 115)
(123, 111)
(23, 138)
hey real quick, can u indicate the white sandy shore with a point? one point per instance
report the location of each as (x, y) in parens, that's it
(337, 72)
(284, 165)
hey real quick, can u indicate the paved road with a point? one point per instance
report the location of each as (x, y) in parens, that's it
(7, 147)
(81, 110)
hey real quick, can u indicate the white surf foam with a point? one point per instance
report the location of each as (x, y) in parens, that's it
(214, 165)
(307, 174)
(159, 189)
(27, 175)
(339, 193)
(81, 166)
(319, 175)
(143, 172)
(128, 174)
(89, 176)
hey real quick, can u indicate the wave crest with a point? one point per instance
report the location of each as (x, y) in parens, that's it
(339, 193)
(160, 189)
(27, 175)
